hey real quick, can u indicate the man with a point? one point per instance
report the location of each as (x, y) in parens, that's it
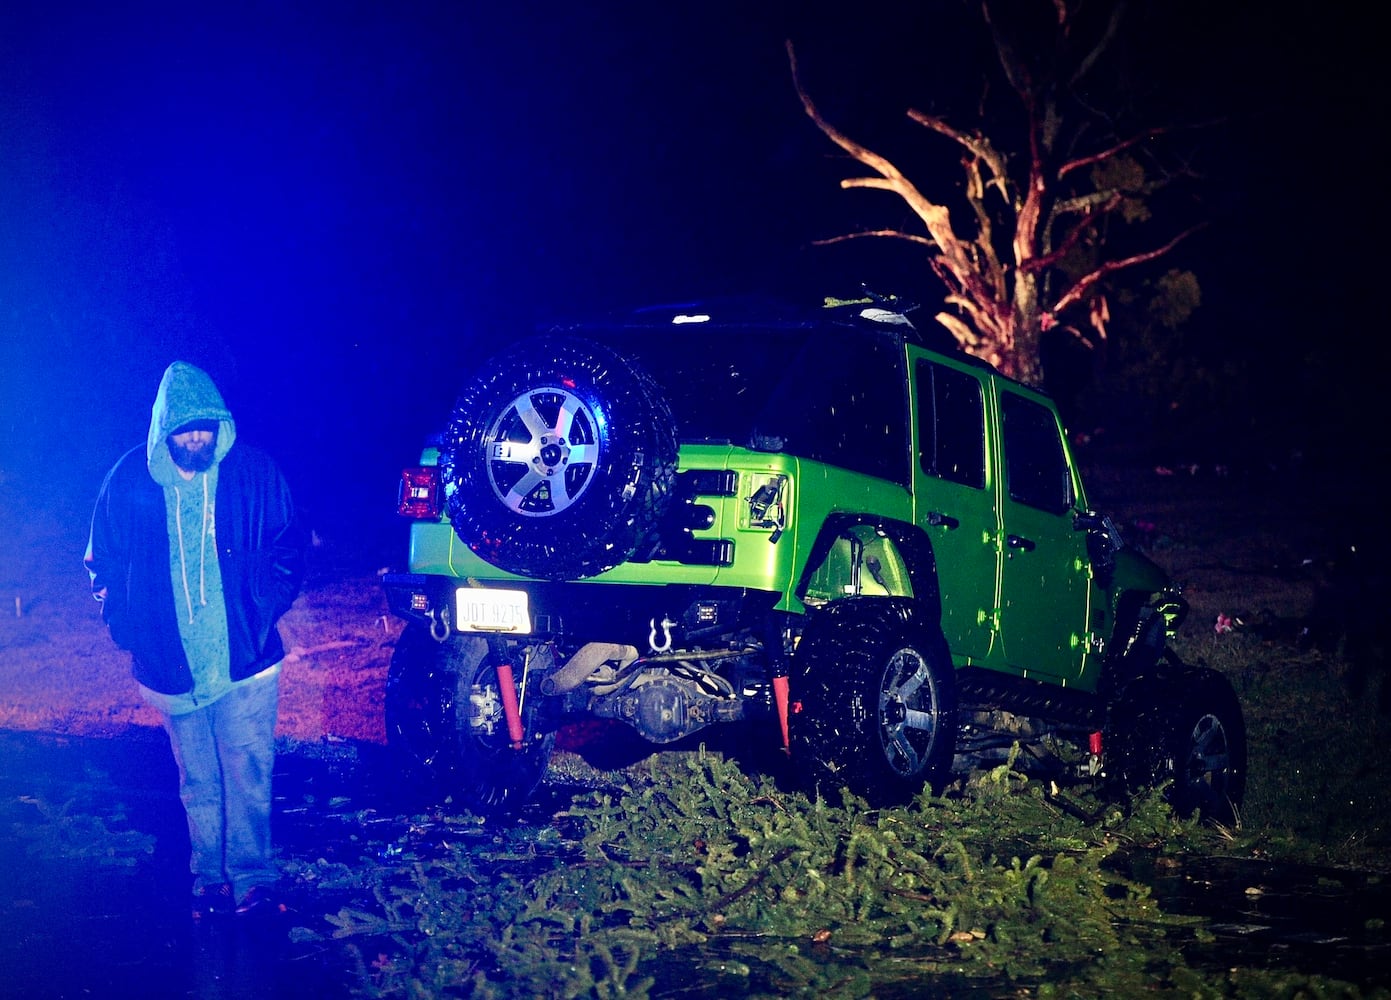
(195, 553)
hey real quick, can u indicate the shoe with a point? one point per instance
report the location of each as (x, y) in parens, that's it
(212, 901)
(258, 899)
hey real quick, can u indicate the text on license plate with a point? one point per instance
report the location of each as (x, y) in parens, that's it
(491, 610)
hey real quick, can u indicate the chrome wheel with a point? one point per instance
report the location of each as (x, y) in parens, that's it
(541, 451)
(908, 714)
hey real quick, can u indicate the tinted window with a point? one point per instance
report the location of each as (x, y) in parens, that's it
(1036, 469)
(832, 394)
(843, 402)
(951, 425)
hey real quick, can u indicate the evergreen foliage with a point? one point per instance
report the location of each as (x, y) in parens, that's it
(753, 891)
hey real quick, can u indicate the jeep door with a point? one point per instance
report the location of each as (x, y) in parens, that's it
(954, 500)
(1045, 573)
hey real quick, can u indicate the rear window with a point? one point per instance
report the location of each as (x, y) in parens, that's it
(833, 394)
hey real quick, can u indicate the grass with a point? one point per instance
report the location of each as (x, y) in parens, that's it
(1317, 727)
(1318, 770)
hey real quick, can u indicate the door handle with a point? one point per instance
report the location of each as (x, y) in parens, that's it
(939, 520)
(1019, 542)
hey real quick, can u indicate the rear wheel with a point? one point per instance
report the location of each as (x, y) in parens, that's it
(445, 719)
(877, 699)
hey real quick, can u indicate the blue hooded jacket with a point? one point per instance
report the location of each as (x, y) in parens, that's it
(260, 543)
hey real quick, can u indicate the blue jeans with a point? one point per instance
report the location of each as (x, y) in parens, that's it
(225, 754)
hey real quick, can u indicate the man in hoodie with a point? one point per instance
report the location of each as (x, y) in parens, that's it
(195, 553)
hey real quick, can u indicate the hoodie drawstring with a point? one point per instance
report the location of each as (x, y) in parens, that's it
(202, 550)
(183, 559)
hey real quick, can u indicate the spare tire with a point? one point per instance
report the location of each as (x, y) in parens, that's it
(559, 459)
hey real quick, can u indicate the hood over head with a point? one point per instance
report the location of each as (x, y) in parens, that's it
(187, 394)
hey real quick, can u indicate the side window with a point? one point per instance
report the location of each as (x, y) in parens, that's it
(951, 425)
(1036, 471)
(843, 400)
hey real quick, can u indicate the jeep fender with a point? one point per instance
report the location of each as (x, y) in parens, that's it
(1139, 638)
(856, 554)
(1146, 612)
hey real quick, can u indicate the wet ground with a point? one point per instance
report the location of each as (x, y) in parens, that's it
(94, 890)
(1316, 920)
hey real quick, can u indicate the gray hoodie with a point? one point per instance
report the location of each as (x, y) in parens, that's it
(186, 394)
(194, 574)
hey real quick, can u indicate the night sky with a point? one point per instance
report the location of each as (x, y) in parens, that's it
(335, 207)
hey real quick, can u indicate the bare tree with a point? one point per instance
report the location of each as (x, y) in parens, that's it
(1025, 249)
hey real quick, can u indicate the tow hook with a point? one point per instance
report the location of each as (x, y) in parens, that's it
(439, 624)
(665, 644)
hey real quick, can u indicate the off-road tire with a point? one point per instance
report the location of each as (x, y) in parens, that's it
(861, 666)
(559, 459)
(1183, 726)
(443, 723)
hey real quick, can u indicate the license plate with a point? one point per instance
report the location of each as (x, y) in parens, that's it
(477, 610)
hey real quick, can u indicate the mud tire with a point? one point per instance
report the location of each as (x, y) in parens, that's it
(559, 459)
(430, 699)
(1185, 727)
(862, 664)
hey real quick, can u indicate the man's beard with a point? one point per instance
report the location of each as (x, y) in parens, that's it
(194, 460)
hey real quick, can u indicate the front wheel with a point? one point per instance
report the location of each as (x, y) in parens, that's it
(876, 695)
(1185, 728)
(445, 719)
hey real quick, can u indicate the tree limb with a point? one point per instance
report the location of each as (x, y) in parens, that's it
(1089, 280)
(1074, 234)
(1111, 153)
(985, 226)
(892, 233)
(974, 143)
(1086, 202)
(954, 252)
(1120, 147)
(1085, 64)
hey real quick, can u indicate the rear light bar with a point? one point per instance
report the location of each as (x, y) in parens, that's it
(419, 493)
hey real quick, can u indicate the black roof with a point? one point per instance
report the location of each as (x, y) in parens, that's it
(867, 312)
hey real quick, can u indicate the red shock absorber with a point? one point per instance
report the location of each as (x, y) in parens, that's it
(512, 711)
(780, 690)
(1095, 748)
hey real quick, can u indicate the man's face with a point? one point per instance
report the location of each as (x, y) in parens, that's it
(193, 451)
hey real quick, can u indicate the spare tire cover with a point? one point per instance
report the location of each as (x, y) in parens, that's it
(559, 459)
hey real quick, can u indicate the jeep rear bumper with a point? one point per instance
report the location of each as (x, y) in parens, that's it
(574, 613)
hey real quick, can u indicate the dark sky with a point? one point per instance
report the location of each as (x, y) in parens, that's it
(334, 207)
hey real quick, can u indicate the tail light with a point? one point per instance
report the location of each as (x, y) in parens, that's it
(419, 493)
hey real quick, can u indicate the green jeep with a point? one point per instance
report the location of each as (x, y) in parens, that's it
(876, 556)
